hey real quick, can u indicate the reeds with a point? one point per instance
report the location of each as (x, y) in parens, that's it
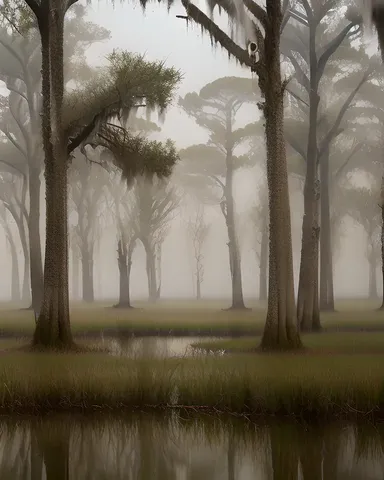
(315, 385)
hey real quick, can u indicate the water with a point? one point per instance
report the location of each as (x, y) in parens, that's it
(158, 347)
(177, 447)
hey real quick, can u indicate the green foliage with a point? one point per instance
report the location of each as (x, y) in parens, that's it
(134, 154)
(127, 83)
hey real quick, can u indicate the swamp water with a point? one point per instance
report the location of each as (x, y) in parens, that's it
(184, 447)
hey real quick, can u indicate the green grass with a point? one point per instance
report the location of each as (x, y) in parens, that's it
(315, 385)
(186, 318)
(325, 343)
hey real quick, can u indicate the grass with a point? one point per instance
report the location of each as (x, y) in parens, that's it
(347, 343)
(315, 385)
(182, 317)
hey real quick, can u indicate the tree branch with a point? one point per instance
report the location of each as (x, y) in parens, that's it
(83, 135)
(257, 11)
(34, 6)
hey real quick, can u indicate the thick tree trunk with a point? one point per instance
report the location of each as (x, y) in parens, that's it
(37, 277)
(327, 302)
(307, 303)
(124, 260)
(263, 275)
(53, 327)
(382, 240)
(75, 272)
(234, 253)
(15, 277)
(281, 331)
(87, 273)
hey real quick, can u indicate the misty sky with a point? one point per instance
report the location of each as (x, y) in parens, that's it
(160, 35)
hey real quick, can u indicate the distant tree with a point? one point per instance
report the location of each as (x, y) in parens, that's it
(15, 278)
(309, 56)
(87, 183)
(215, 109)
(259, 217)
(155, 203)
(198, 231)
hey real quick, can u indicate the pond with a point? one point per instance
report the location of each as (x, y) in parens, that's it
(185, 447)
(159, 347)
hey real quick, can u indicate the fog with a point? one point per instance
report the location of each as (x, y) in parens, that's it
(161, 36)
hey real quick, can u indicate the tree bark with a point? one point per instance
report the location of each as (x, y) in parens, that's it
(263, 275)
(87, 272)
(53, 326)
(307, 303)
(327, 302)
(382, 240)
(37, 277)
(281, 330)
(15, 277)
(234, 253)
(151, 271)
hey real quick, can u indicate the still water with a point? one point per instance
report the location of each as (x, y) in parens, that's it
(180, 447)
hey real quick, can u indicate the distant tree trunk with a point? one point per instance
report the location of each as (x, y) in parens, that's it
(26, 288)
(263, 276)
(234, 253)
(53, 328)
(327, 302)
(37, 277)
(87, 272)
(198, 285)
(158, 251)
(75, 271)
(15, 277)
(151, 271)
(124, 260)
(372, 286)
(280, 331)
(307, 303)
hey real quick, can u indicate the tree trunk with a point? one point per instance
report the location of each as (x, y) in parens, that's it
(234, 253)
(53, 328)
(198, 284)
(26, 287)
(327, 302)
(151, 272)
(75, 272)
(37, 277)
(307, 303)
(372, 287)
(382, 240)
(281, 331)
(87, 272)
(263, 276)
(54, 445)
(15, 277)
(124, 260)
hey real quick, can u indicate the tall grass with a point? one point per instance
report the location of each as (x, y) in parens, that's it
(286, 384)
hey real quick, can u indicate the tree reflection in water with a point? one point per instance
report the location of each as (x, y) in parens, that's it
(172, 447)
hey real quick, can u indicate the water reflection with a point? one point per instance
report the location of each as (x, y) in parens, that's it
(148, 347)
(170, 447)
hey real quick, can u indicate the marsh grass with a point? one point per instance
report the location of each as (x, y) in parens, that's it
(334, 343)
(314, 386)
(180, 318)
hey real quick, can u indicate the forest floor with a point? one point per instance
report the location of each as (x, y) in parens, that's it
(186, 318)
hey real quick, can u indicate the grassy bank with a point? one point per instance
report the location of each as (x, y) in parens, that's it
(315, 385)
(349, 343)
(207, 318)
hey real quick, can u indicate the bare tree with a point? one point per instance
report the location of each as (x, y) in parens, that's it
(198, 231)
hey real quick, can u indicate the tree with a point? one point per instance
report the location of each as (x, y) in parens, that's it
(281, 330)
(215, 109)
(87, 183)
(198, 231)
(20, 70)
(15, 279)
(309, 57)
(67, 125)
